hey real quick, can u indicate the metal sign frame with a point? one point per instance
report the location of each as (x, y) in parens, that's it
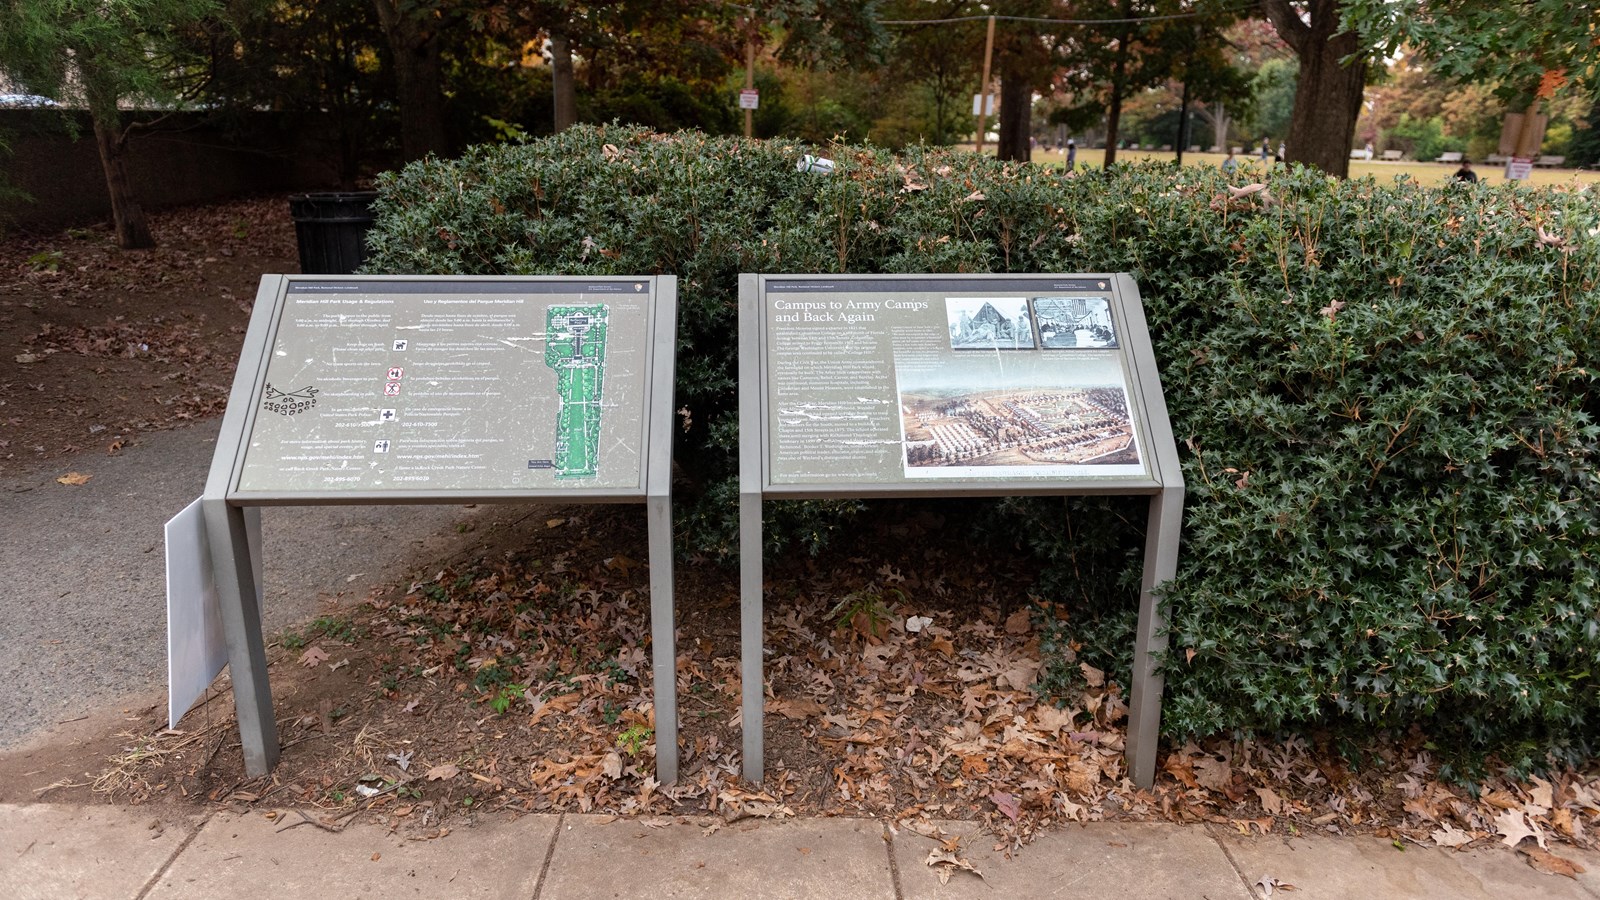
(1163, 484)
(224, 503)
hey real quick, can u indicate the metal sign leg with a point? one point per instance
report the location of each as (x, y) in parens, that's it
(241, 623)
(752, 636)
(1160, 565)
(663, 638)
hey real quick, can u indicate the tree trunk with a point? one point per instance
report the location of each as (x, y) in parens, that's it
(1216, 115)
(127, 216)
(1119, 77)
(1114, 111)
(1016, 117)
(419, 79)
(943, 116)
(561, 80)
(1183, 122)
(1327, 99)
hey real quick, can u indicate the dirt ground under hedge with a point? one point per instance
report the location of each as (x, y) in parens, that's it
(513, 674)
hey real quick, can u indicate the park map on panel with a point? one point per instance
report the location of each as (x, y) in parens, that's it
(440, 386)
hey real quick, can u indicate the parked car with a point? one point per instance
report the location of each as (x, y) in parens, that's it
(25, 101)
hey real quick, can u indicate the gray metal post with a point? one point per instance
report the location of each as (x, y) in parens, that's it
(658, 514)
(751, 636)
(228, 537)
(228, 533)
(663, 638)
(1150, 638)
(752, 630)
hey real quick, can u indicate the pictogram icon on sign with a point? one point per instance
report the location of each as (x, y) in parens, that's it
(392, 389)
(400, 344)
(396, 373)
(385, 415)
(380, 446)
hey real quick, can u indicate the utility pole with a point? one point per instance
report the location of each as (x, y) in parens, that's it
(983, 88)
(749, 72)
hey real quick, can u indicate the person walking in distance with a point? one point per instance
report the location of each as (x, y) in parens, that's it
(1072, 153)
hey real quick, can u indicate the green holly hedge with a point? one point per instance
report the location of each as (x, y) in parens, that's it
(1384, 394)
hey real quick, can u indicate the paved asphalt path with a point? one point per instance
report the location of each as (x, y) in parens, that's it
(83, 571)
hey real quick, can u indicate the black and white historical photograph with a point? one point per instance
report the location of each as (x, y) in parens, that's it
(989, 323)
(1067, 323)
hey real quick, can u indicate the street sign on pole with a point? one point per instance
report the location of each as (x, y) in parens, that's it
(1518, 168)
(749, 98)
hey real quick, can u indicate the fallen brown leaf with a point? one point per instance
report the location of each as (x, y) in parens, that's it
(1007, 803)
(795, 709)
(74, 479)
(948, 863)
(1551, 864)
(559, 704)
(1513, 827)
(1448, 836)
(1270, 801)
(1019, 622)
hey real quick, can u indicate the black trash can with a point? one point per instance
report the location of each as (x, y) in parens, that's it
(331, 229)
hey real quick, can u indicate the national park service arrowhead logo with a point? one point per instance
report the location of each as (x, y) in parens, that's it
(289, 403)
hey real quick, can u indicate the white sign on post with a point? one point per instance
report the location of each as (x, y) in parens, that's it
(749, 98)
(1519, 168)
(984, 102)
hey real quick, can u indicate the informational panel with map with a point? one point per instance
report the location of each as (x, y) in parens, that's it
(925, 379)
(453, 385)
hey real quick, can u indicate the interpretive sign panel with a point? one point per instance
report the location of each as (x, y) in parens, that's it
(896, 381)
(378, 386)
(935, 385)
(444, 389)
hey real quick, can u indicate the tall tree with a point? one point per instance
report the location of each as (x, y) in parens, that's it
(98, 55)
(1129, 46)
(944, 57)
(1252, 46)
(1199, 59)
(1332, 79)
(315, 60)
(414, 31)
(1531, 50)
(1028, 55)
(596, 40)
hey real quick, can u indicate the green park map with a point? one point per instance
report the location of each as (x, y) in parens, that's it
(575, 347)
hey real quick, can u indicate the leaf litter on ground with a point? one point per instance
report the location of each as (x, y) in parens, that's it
(519, 676)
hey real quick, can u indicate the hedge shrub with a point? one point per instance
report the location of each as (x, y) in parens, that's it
(1384, 393)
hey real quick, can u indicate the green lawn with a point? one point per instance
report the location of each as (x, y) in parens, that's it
(1424, 173)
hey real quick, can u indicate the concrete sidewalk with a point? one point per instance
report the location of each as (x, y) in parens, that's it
(123, 853)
